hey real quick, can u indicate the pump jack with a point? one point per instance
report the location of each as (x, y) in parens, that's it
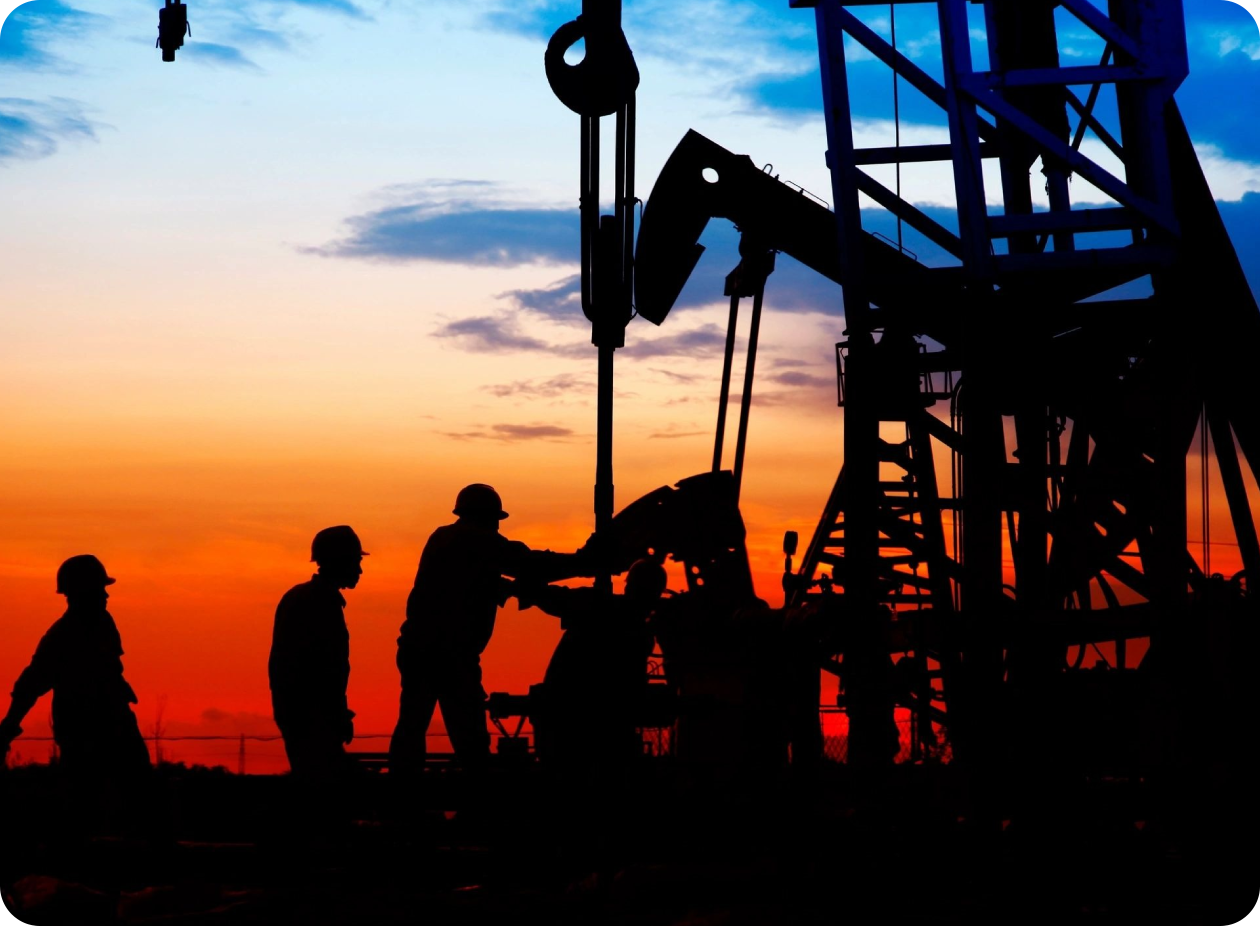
(1097, 530)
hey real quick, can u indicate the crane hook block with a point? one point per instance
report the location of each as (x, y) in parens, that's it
(604, 80)
(172, 27)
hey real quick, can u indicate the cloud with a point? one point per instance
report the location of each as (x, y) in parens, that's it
(684, 378)
(461, 222)
(698, 342)
(1241, 219)
(486, 335)
(553, 387)
(530, 431)
(247, 32)
(561, 301)
(30, 129)
(218, 55)
(502, 334)
(670, 434)
(513, 433)
(797, 378)
(1230, 179)
(29, 29)
(343, 7)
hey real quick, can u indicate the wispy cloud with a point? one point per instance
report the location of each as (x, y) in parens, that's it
(561, 301)
(698, 342)
(512, 432)
(218, 55)
(685, 379)
(31, 129)
(343, 7)
(485, 334)
(503, 334)
(551, 387)
(32, 27)
(671, 434)
(797, 378)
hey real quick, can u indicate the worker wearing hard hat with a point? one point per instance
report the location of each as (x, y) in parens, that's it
(79, 660)
(450, 618)
(309, 665)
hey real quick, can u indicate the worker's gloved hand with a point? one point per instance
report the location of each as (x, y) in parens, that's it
(347, 729)
(602, 551)
(507, 589)
(526, 592)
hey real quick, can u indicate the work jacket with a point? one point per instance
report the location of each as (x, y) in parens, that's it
(309, 666)
(79, 660)
(458, 589)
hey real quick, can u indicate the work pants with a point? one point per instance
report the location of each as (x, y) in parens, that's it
(105, 777)
(320, 806)
(454, 683)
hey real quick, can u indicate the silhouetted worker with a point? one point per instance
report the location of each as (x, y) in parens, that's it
(585, 728)
(79, 660)
(310, 661)
(450, 617)
(595, 681)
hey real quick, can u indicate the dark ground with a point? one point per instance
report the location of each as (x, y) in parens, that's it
(668, 852)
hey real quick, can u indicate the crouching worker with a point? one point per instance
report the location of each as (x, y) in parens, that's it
(595, 681)
(585, 725)
(309, 669)
(104, 767)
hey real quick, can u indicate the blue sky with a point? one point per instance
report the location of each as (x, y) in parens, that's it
(374, 133)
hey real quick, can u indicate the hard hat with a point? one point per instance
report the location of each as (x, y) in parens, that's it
(340, 542)
(479, 499)
(81, 573)
(647, 575)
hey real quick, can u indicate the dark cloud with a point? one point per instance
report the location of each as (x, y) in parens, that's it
(486, 335)
(32, 27)
(30, 129)
(218, 55)
(502, 334)
(554, 387)
(698, 342)
(438, 221)
(561, 301)
(796, 378)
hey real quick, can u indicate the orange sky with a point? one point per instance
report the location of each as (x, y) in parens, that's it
(206, 528)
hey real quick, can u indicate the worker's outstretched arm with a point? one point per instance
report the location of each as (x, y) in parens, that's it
(568, 604)
(544, 566)
(35, 681)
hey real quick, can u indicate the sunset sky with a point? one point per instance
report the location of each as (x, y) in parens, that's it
(320, 270)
